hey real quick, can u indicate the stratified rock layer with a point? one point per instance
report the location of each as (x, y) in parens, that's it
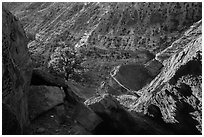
(16, 75)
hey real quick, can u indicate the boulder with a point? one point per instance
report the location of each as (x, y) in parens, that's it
(16, 75)
(42, 77)
(86, 117)
(81, 113)
(43, 98)
(117, 120)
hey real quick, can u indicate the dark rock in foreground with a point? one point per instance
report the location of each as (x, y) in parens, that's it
(16, 75)
(43, 98)
(118, 121)
(47, 91)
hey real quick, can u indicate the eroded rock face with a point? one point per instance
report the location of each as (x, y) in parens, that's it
(43, 98)
(16, 74)
(177, 90)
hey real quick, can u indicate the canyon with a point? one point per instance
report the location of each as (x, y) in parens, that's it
(102, 68)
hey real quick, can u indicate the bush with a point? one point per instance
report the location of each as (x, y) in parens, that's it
(65, 62)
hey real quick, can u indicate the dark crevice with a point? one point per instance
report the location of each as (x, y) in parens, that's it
(193, 67)
(10, 124)
(120, 122)
(186, 124)
(184, 90)
(116, 123)
(38, 80)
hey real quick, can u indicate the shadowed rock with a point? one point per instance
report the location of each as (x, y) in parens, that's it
(43, 98)
(82, 114)
(177, 89)
(16, 75)
(117, 120)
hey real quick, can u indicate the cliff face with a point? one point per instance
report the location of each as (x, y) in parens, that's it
(16, 75)
(174, 96)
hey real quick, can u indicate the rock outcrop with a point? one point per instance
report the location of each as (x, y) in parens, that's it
(16, 75)
(118, 121)
(42, 77)
(175, 94)
(55, 87)
(43, 98)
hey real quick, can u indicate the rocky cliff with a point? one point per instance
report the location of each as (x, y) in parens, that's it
(139, 68)
(174, 96)
(16, 75)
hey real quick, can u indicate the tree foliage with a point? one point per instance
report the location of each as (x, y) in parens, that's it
(66, 62)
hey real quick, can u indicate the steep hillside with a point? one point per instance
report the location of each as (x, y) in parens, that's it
(104, 26)
(175, 95)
